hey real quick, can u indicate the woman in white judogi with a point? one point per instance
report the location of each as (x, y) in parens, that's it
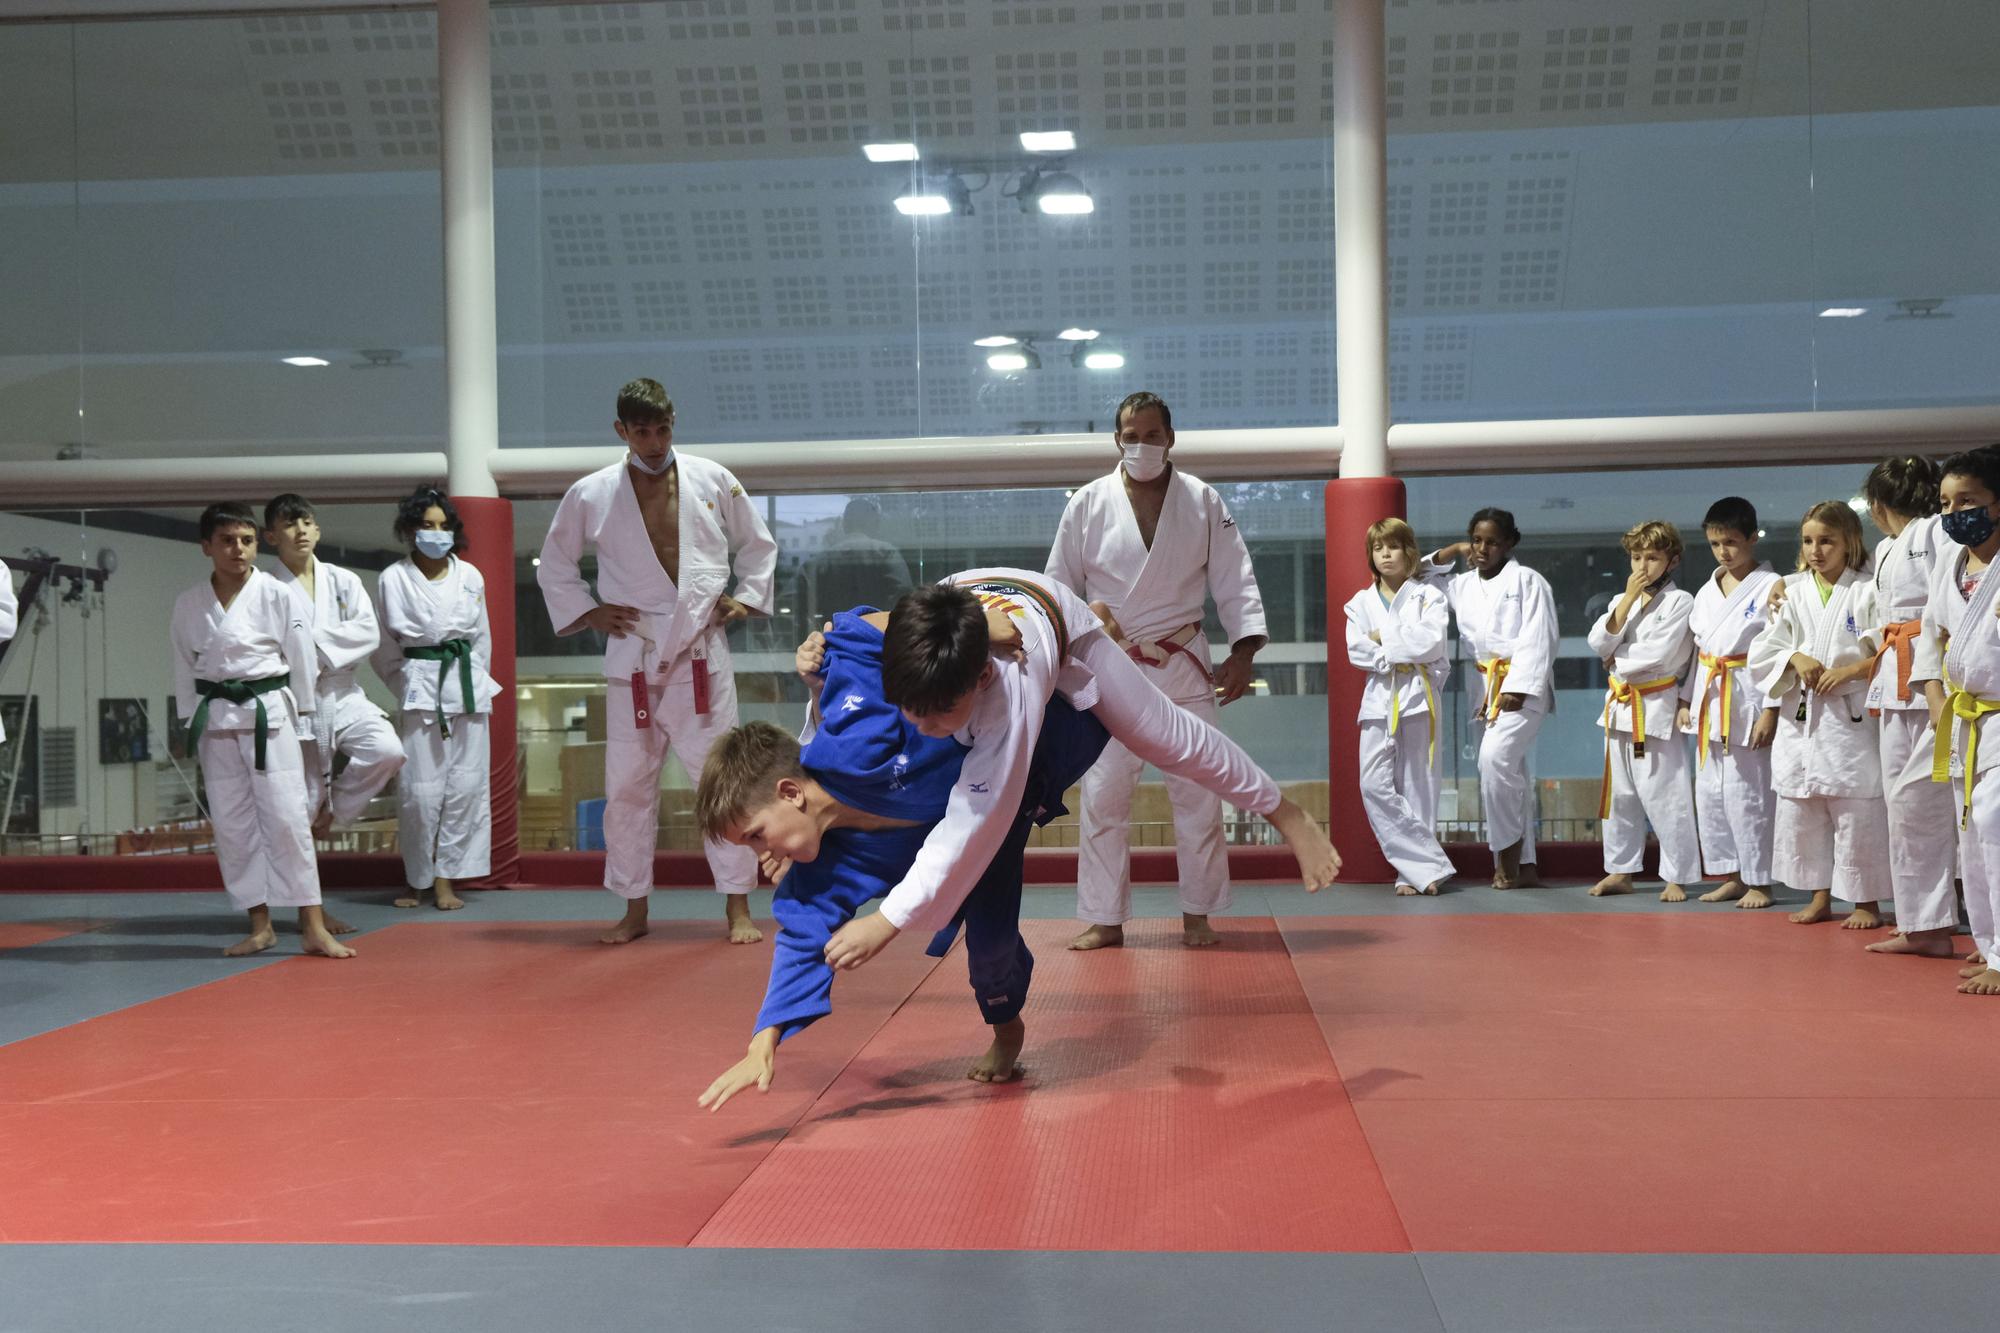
(1155, 577)
(436, 644)
(1902, 496)
(1812, 663)
(670, 678)
(1507, 628)
(1734, 805)
(1646, 647)
(1395, 632)
(342, 616)
(1960, 621)
(244, 677)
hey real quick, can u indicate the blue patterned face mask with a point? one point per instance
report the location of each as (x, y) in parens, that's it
(1968, 527)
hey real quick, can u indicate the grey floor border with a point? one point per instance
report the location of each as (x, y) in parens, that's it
(386, 1289)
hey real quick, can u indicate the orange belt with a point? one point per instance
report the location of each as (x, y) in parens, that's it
(1725, 667)
(1627, 692)
(1495, 670)
(1902, 637)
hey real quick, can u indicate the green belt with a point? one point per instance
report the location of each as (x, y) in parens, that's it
(237, 692)
(451, 650)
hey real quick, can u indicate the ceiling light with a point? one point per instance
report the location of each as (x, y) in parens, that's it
(306, 361)
(890, 152)
(1076, 335)
(1104, 361)
(1062, 193)
(1048, 141)
(1024, 359)
(996, 340)
(922, 205)
(1843, 311)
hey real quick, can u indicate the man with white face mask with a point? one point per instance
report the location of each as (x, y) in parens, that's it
(1146, 545)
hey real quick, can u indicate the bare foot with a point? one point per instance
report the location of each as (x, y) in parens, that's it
(323, 824)
(1816, 911)
(999, 1065)
(1976, 957)
(1754, 898)
(1503, 880)
(410, 898)
(1319, 863)
(334, 925)
(1431, 889)
(316, 940)
(1987, 982)
(1673, 893)
(1728, 892)
(1923, 943)
(255, 942)
(446, 899)
(1530, 876)
(742, 930)
(630, 926)
(1099, 937)
(1507, 867)
(1972, 969)
(1611, 885)
(1863, 917)
(1406, 890)
(1196, 933)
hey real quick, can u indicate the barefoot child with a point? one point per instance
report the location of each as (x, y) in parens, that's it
(1959, 619)
(841, 821)
(244, 664)
(436, 643)
(1902, 496)
(1507, 624)
(1812, 663)
(1395, 632)
(1733, 800)
(1647, 648)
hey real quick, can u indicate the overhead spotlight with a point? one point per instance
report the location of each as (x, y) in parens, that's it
(1048, 141)
(1053, 192)
(948, 194)
(996, 340)
(922, 205)
(890, 152)
(1025, 358)
(1104, 361)
(1843, 311)
(1076, 335)
(306, 361)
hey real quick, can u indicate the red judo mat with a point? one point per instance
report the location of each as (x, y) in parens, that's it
(1694, 1081)
(20, 934)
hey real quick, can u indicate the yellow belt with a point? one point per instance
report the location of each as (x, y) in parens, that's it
(1495, 670)
(1430, 701)
(1726, 668)
(1969, 707)
(1627, 692)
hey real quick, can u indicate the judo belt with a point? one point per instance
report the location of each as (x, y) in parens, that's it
(1495, 670)
(444, 654)
(237, 692)
(1633, 693)
(1724, 668)
(1156, 653)
(1396, 701)
(1042, 598)
(1962, 705)
(1901, 638)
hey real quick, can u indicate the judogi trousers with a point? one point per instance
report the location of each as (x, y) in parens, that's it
(1651, 788)
(444, 806)
(1833, 842)
(1923, 823)
(1399, 790)
(347, 723)
(263, 833)
(633, 759)
(1735, 809)
(1507, 778)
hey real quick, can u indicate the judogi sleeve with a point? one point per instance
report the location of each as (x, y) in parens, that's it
(1232, 580)
(1771, 651)
(388, 659)
(1408, 640)
(295, 638)
(1928, 661)
(801, 985)
(1066, 565)
(1363, 651)
(1535, 645)
(560, 575)
(185, 698)
(756, 555)
(10, 611)
(349, 641)
(1603, 641)
(482, 633)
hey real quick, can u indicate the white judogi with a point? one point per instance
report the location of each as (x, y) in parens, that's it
(1832, 826)
(9, 614)
(342, 616)
(263, 827)
(1157, 595)
(1399, 722)
(1964, 631)
(1007, 718)
(1511, 619)
(1734, 805)
(1648, 658)
(1923, 821)
(676, 642)
(444, 805)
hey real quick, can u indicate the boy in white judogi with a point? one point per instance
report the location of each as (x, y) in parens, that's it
(1646, 647)
(342, 616)
(1812, 663)
(663, 525)
(1902, 496)
(1507, 625)
(1149, 543)
(1734, 805)
(1960, 620)
(437, 644)
(244, 668)
(1395, 632)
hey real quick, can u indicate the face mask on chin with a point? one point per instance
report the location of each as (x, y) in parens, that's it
(1144, 462)
(666, 461)
(436, 545)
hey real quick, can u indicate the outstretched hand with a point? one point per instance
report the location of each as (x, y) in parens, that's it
(757, 1067)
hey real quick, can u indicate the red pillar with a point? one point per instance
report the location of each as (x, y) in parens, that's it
(489, 532)
(1352, 504)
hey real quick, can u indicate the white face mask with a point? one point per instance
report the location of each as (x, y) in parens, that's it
(436, 545)
(666, 462)
(1143, 462)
